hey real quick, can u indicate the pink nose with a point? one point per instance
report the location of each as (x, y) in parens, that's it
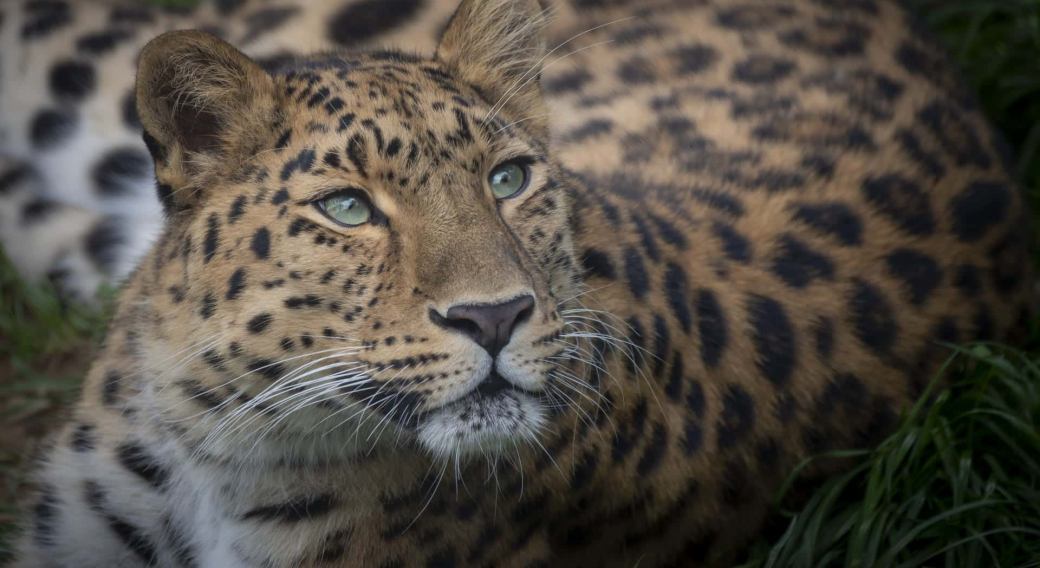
(490, 325)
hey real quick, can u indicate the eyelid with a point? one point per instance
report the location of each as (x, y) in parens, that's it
(523, 160)
(325, 194)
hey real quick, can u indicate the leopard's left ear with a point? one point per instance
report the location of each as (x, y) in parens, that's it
(498, 46)
(203, 104)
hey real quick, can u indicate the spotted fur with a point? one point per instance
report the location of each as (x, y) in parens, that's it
(748, 231)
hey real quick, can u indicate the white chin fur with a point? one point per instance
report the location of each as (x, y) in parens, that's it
(477, 425)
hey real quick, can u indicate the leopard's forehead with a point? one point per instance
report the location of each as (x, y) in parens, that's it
(398, 124)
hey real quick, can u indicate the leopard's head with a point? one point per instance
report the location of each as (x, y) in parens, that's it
(371, 242)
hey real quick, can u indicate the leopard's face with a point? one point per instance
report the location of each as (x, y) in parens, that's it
(387, 254)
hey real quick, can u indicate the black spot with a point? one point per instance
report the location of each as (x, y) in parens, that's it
(103, 242)
(266, 20)
(831, 218)
(120, 170)
(226, 7)
(692, 59)
(711, 324)
(636, 71)
(831, 37)
(209, 306)
(774, 338)
(296, 302)
(363, 20)
(1007, 262)
(18, 174)
(823, 337)
(236, 284)
(979, 208)
(72, 80)
(319, 97)
(280, 197)
(138, 461)
(654, 452)
(762, 70)
(131, 15)
(130, 117)
(638, 280)
(753, 16)
(798, 265)
(568, 81)
(693, 437)
(37, 210)
(83, 439)
(261, 244)
(259, 323)
(212, 240)
(695, 399)
(356, 154)
(584, 470)
(45, 517)
(110, 388)
(344, 122)
(954, 134)
(968, 280)
(102, 42)
(131, 536)
(238, 207)
(737, 419)
(873, 318)
(919, 272)
(661, 345)
(928, 161)
(628, 433)
(50, 127)
(597, 264)
(44, 17)
(590, 129)
(675, 286)
(302, 162)
(735, 245)
(902, 201)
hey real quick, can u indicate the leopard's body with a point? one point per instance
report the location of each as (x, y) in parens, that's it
(748, 228)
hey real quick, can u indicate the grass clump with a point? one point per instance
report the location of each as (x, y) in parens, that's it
(957, 485)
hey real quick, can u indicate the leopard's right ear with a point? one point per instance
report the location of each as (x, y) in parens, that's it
(202, 103)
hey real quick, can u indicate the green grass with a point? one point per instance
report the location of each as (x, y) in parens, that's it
(957, 486)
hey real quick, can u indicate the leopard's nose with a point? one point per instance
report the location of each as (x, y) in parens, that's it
(490, 325)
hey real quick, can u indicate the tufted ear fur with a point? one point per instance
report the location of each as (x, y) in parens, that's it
(497, 46)
(203, 105)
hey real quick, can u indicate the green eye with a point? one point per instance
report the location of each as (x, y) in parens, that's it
(346, 209)
(508, 179)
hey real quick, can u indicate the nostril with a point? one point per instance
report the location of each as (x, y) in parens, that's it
(521, 317)
(468, 327)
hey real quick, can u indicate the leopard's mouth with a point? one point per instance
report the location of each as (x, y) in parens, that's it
(493, 417)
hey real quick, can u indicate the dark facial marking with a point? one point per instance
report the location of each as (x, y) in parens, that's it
(261, 244)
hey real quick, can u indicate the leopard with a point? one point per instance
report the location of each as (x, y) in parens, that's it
(502, 283)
